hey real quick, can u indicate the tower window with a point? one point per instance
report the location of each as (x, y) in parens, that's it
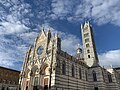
(72, 70)
(88, 51)
(87, 40)
(88, 56)
(87, 45)
(64, 68)
(94, 76)
(109, 78)
(85, 29)
(86, 35)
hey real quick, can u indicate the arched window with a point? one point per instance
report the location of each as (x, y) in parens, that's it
(64, 68)
(94, 76)
(3, 88)
(88, 56)
(73, 71)
(109, 78)
(35, 83)
(88, 51)
(80, 74)
(87, 45)
(86, 75)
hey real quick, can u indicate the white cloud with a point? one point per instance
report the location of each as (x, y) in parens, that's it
(28, 37)
(100, 11)
(11, 28)
(12, 46)
(70, 43)
(111, 57)
(10, 53)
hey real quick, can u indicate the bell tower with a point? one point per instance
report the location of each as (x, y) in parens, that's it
(90, 54)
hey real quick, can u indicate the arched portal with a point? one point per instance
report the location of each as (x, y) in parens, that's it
(44, 76)
(34, 77)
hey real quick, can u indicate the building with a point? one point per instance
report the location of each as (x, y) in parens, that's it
(9, 79)
(46, 66)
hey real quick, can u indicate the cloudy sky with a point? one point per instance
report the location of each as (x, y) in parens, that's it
(21, 22)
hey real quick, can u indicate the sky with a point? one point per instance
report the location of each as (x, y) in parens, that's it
(22, 20)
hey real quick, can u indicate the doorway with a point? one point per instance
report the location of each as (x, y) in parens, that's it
(46, 84)
(95, 88)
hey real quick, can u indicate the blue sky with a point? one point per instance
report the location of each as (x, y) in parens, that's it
(21, 21)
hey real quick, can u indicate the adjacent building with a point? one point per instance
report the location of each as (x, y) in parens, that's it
(47, 66)
(9, 79)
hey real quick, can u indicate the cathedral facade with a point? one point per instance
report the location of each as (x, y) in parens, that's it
(47, 67)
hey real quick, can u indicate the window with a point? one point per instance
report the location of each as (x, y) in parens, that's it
(87, 45)
(72, 70)
(109, 78)
(95, 88)
(35, 81)
(88, 51)
(35, 87)
(86, 75)
(64, 68)
(87, 40)
(3, 88)
(88, 56)
(80, 74)
(85, 28)
(94, 76)
(4, 81)
(86, 35)
(0, 80)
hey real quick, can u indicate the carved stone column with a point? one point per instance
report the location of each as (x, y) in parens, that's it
(31, 81)
(41, 78)
(23, 84)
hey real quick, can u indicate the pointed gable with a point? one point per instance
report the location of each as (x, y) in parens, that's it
(43, 34)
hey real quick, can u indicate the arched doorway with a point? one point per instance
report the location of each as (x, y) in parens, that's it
(45, 75)
(35, 77)
(45, 83)
(3, 88)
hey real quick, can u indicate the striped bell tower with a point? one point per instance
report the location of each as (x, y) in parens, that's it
(90, 54)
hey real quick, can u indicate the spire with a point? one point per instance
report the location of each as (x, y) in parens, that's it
(79, 50)
(30, 48)
(87, 23)
(43, 30)
(81, 26)
(49, 32)
(57, 41)
(56, 34)
(42, 33)
(111, 66)
(49, 35)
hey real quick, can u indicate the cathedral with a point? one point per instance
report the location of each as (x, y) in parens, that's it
(47, 67)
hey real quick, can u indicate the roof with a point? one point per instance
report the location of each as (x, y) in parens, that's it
(117, 68)
(9, 69)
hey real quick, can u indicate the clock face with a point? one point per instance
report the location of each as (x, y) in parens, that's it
(40, 50)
